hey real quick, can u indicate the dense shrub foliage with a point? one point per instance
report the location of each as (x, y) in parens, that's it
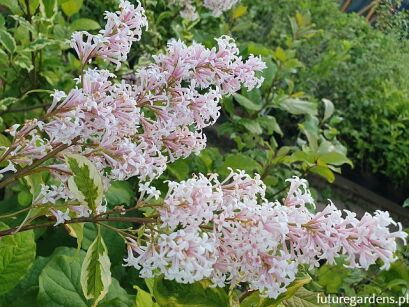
(151, 153)
(360, 69)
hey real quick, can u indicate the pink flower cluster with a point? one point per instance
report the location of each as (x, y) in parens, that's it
(229, 233)
(217, 7)
(126, 129)
(114, 42)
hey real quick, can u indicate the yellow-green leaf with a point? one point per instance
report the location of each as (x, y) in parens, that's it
(323, 171)
(7, 41)
(86, 182)
(84, 24)
(71, 7)
(76, 231)
(96, 271)
(17, 253)
(239, 11)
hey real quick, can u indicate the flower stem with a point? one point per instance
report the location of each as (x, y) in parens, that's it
(136, 220)
(26, 171)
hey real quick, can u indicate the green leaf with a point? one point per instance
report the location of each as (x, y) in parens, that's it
(310, 127)
(24, 24)
(397, 283)
(239, 11)
(255, 300)
(114, 241)
(179, 169)
(163, 16)
(258, 49)
(7, 41)
(96, 271)
(33, 5)
(12, 5)
(269, 74)
(35, 181)
(335, 158)
(172, 294)
(48, 7)
(39, 43)
(242, 162)
(303, 298)
(4, 141)
(24, 198)
(24, 61)
(17, 253)
(331, 277)
(251, 125)
(25, 293)
(117, 296)
(76, 231)
(323, 171)
(59, 282)
(329, 109)
(269, 123)
(120, 193)
(51, 77)
(299, 107)
(84, 24)
(247, 103)
(143, 298)
(86, 182)
(303, 156)
(6, 102)
(4, 58)
(70, 7)
(295, 286)
(280, 55)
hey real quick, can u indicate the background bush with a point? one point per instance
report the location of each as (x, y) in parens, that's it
(364, 71)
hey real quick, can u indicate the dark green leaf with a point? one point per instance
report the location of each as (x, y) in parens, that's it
(59, 282)
(179, 169)
(120, 193)
(117, 297)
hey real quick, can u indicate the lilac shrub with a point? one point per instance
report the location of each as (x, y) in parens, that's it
(229, 233)
(224, 231)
